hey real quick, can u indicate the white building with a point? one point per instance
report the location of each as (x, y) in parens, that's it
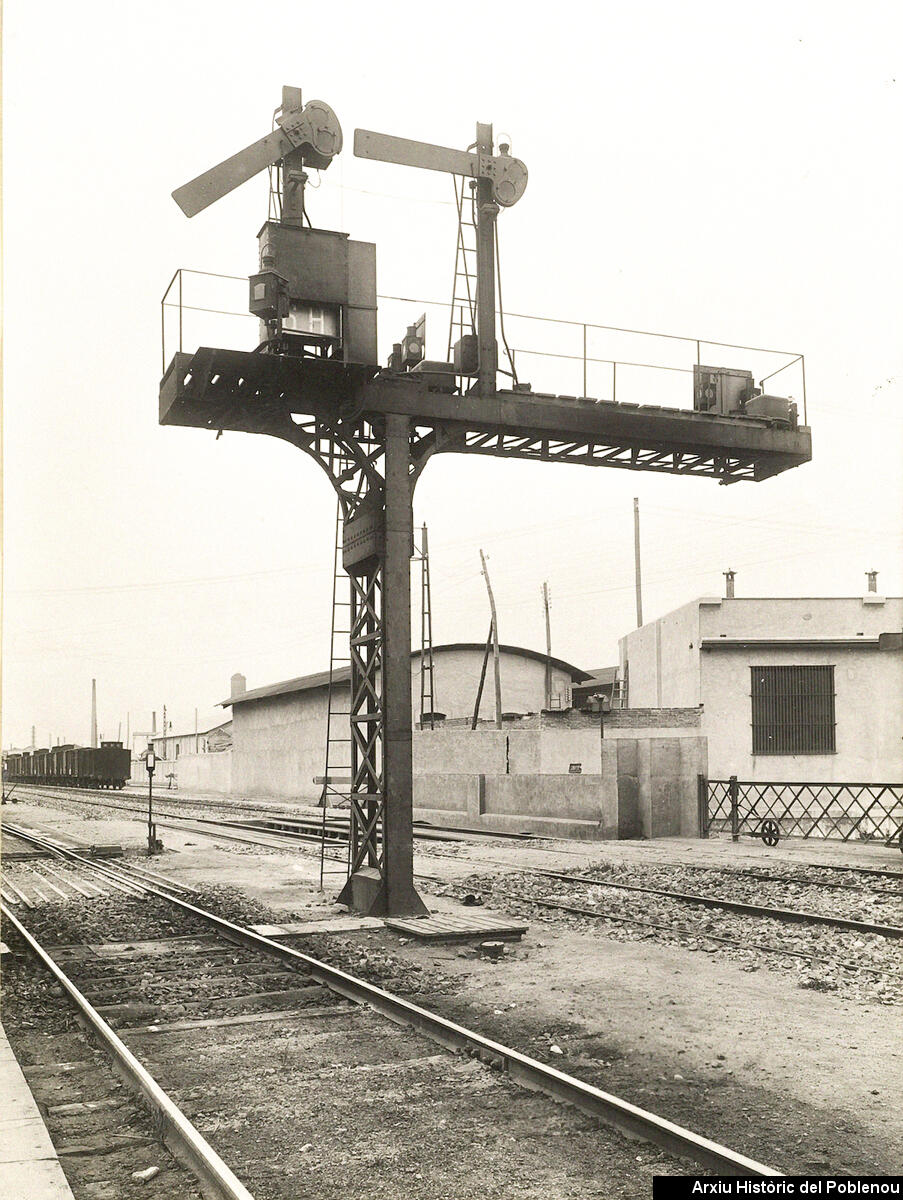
(279, 731)
(170, 746)
(791, 689)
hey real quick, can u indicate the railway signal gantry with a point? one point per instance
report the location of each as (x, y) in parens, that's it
(314, 380)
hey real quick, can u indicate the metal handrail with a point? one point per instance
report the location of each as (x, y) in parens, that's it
(584, 326)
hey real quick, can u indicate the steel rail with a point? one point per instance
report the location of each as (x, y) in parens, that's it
(754, 910)
(755, 873)
(882, 872)
(121, 878)
(276, 841)
(520, 1068)
(678, 930)
(184, 1141)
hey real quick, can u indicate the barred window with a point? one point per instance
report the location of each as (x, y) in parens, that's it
(792, 710)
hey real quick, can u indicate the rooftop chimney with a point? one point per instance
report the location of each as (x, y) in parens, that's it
(872, 577)
(729, 584)
(239, 685)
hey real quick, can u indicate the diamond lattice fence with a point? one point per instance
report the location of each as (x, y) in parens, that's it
(857, 811)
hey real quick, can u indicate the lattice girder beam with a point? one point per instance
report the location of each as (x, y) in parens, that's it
(220, 389)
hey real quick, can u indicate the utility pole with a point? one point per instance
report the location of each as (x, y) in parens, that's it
(94, 712)
(195, 731)
(495, 645)
(636, 557)
(486, 653)
(545, 603)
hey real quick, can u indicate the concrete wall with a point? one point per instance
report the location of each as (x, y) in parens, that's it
(204, 772)
(642, 787)
(546, 744)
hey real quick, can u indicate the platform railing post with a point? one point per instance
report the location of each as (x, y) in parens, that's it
(734, 791)
(702, 801)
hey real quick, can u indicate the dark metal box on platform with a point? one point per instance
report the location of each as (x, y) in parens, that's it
(329, 269)
(721, 390)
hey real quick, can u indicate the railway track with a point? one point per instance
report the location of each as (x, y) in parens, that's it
(804, 880)
(268, 822)
(237, 831)
(137, 965)
(720, 902)
(281, 830)
(672, 929)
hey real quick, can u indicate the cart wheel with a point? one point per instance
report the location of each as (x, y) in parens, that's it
(771, 833)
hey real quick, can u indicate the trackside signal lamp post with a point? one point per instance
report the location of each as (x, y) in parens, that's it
(151, 764)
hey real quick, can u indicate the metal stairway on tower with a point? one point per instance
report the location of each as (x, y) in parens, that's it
(463, 313)
(427, 676)
(337, 775)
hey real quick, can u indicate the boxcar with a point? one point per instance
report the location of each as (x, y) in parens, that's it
(106, 766)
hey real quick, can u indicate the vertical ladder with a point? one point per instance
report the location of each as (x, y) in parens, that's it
(463, 316)
(336, 779)
(427, 677)
(619, 691)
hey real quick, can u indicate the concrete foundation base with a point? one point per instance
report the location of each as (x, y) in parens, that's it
(366, 893)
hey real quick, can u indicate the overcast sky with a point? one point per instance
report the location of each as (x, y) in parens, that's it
(713, 170)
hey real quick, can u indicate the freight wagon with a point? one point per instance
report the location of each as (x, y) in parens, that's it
(106, 766)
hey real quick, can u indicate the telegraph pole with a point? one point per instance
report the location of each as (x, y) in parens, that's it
(545, 604)
(636, 557)
(495, 645)
(94, 712)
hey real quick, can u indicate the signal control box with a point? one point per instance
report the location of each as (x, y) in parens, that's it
(722, 391)
(316, 294)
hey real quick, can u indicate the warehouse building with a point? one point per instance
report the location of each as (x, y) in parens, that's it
(279, 731)
(789, 689)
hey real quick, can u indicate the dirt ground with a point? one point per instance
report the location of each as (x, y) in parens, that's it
(808, 1082)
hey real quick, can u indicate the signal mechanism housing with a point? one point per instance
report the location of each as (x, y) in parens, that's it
(316, 294)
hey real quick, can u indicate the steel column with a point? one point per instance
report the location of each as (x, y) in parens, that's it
(487, 212)
(398, 770)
